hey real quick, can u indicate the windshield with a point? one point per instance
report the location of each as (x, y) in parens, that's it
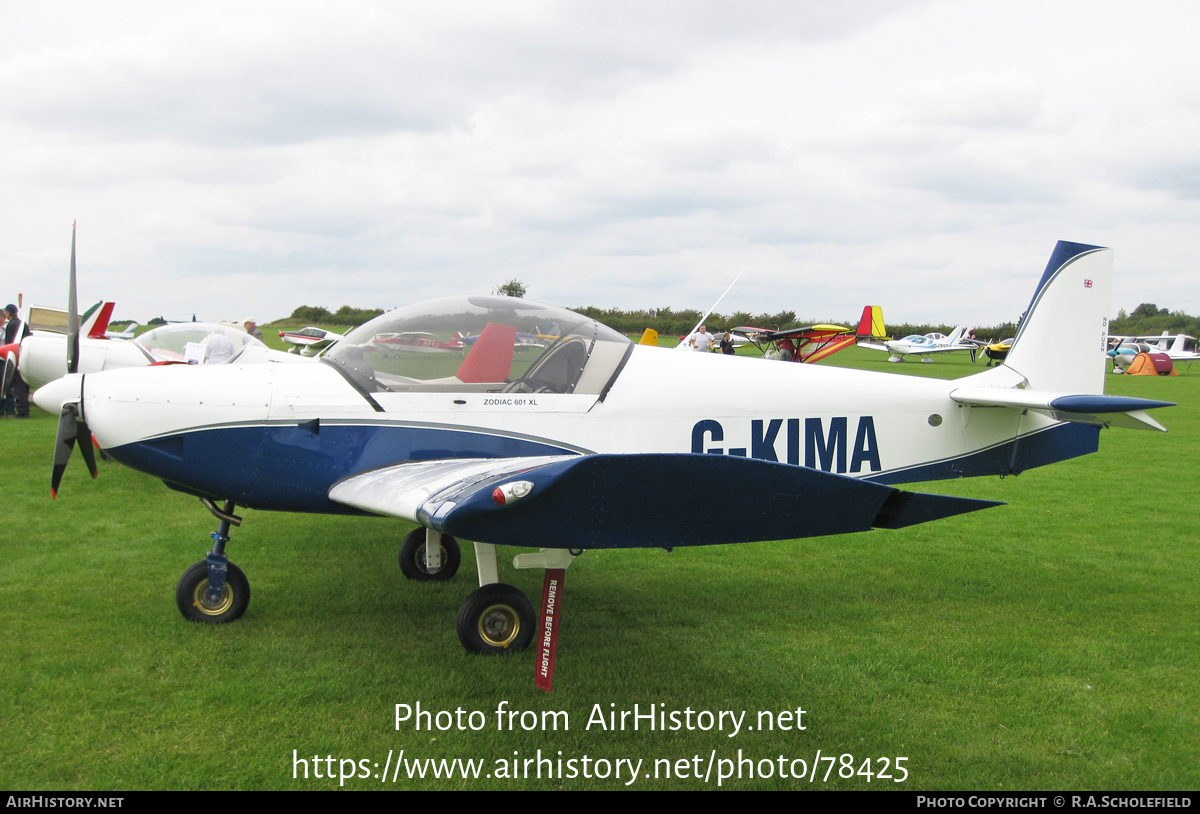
(195, 342)
(481, 344)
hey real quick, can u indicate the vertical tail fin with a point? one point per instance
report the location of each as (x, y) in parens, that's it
(871, 323)
(1060, 344)
(95, 322)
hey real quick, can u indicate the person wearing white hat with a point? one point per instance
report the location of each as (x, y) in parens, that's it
(251, 326)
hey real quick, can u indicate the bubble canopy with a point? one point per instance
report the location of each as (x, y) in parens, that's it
(486, 344)
(169, 342)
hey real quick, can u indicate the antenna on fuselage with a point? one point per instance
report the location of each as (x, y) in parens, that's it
(713, 307)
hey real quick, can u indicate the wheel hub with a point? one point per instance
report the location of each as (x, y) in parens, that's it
(200, 600)
(499, 625)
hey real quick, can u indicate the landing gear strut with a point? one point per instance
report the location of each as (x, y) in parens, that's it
(214, 590)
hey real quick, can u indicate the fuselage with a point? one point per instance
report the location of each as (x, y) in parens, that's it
(43, 354)
(929, 343)
(279, 436)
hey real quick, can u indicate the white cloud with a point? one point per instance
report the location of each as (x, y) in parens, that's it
(227, 158)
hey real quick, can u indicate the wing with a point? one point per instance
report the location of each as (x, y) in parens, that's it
(603, 501)
(808, 332)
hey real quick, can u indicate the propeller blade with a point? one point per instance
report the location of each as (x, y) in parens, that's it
(85, 447)
(64, 443)
(72, 315)
(10, 367)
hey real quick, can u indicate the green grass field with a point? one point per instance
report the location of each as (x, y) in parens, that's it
(1048, 644)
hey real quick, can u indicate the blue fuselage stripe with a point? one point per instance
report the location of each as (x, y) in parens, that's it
(292, 467)
(1057, 443)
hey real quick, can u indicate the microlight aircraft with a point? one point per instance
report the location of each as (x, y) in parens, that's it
(811, 343)
(808, 344)
(552, 452)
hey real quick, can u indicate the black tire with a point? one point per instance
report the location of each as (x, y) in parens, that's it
(189, 595)
(496, 619)
(412, 558)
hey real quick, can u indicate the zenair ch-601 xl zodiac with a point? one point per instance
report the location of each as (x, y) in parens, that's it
(548, 451)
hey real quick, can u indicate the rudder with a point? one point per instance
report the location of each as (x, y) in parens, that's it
(1061, 342)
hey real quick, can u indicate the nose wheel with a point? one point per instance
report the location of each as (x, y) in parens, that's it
(214, 590)
(199, 604)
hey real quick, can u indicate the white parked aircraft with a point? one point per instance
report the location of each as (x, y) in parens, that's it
(42, 355)
(1175, 346)
(307, 340)
(923, 346)
(129, 333)
(554, 452)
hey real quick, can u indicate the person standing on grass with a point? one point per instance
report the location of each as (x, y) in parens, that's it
(15, 331)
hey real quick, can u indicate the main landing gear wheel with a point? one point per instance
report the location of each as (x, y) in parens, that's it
(194, 604)
(495, 619)
(412, 558)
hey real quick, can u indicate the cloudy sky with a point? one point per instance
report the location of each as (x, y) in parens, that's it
(228, 159)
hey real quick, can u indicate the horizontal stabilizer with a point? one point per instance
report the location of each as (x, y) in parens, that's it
(862, 343)
(1106, 411)
(601, 501)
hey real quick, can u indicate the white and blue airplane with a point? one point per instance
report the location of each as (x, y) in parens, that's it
(923, 345)
(552, 452)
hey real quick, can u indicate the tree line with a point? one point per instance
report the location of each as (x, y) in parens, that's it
(1146, 319)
